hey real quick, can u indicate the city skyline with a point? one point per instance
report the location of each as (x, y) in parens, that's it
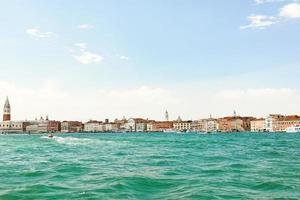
(192, 58)
(226, 124)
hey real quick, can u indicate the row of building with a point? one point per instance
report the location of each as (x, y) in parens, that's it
(234, 123)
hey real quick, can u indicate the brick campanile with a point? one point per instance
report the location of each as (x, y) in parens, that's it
(6, 110)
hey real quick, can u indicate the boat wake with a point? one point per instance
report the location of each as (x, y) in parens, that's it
(71, 140)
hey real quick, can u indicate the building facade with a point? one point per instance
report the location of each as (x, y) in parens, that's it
(258, 125)
(93, 126)
(159, 126)
(43, 126)
(71, 126)
(272, 122)
(285, 122)
(183, 125)
(136, 125)
(13, 126)
(234, 124)
(209, 125)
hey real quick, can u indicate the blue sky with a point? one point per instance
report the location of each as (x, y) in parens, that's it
(136, 57)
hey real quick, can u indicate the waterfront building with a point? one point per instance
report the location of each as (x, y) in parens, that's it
(234, 124)
(159, 126)
(8, 126)
(32, 128)
(93, 126)
(285, 122)
(130, 125)
(111, 127)
(136, 125)
(184, 126)
(43, 126)
(210, 125)
(197, 125)
(71, 126)
(258, 125)
(141, 126)
(53, 126)
(121, 124)
(13, 126)
(230, 124)
(272, 121)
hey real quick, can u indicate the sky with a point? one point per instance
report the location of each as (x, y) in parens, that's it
(97, 59)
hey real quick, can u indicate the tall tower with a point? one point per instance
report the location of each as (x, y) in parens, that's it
(6, 110)
(234, 113)
(167, 116)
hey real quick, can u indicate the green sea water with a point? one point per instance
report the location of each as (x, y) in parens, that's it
(150, 166)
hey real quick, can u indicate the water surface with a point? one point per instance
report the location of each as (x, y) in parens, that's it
(150, 166)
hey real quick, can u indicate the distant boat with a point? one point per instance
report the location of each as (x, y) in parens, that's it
(293, 129)
(169, 131)
(50, 135)
(202, 133)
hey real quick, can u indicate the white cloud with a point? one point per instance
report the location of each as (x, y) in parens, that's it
(266, 1)
(35, 32)
(291, 10)
(85, 26)
(260, 21)
(81, 45)
(272, 1)
(124, 58)
(262, 1)
(89, 58)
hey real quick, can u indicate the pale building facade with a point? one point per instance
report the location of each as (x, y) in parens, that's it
(93, 126)
(272, 122)
(208, 125)
(13, 126)
(258, 125)
(136, 125)
(71, 126)
(182, 125)
(111, 127)
(43, 126)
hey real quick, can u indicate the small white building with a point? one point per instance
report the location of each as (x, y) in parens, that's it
(136, 125)
(182, 125)
(210, 125)
(111, 127)
(93, 126)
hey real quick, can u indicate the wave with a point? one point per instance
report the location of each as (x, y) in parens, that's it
(71, 140)
(81, 141)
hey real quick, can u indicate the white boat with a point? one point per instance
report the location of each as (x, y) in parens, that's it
(170, 130)
(293, 129)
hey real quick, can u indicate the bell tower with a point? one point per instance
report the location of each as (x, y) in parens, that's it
(6, 110)
(167, 115)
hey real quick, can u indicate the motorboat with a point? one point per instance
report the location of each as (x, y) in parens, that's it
(293, 129)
